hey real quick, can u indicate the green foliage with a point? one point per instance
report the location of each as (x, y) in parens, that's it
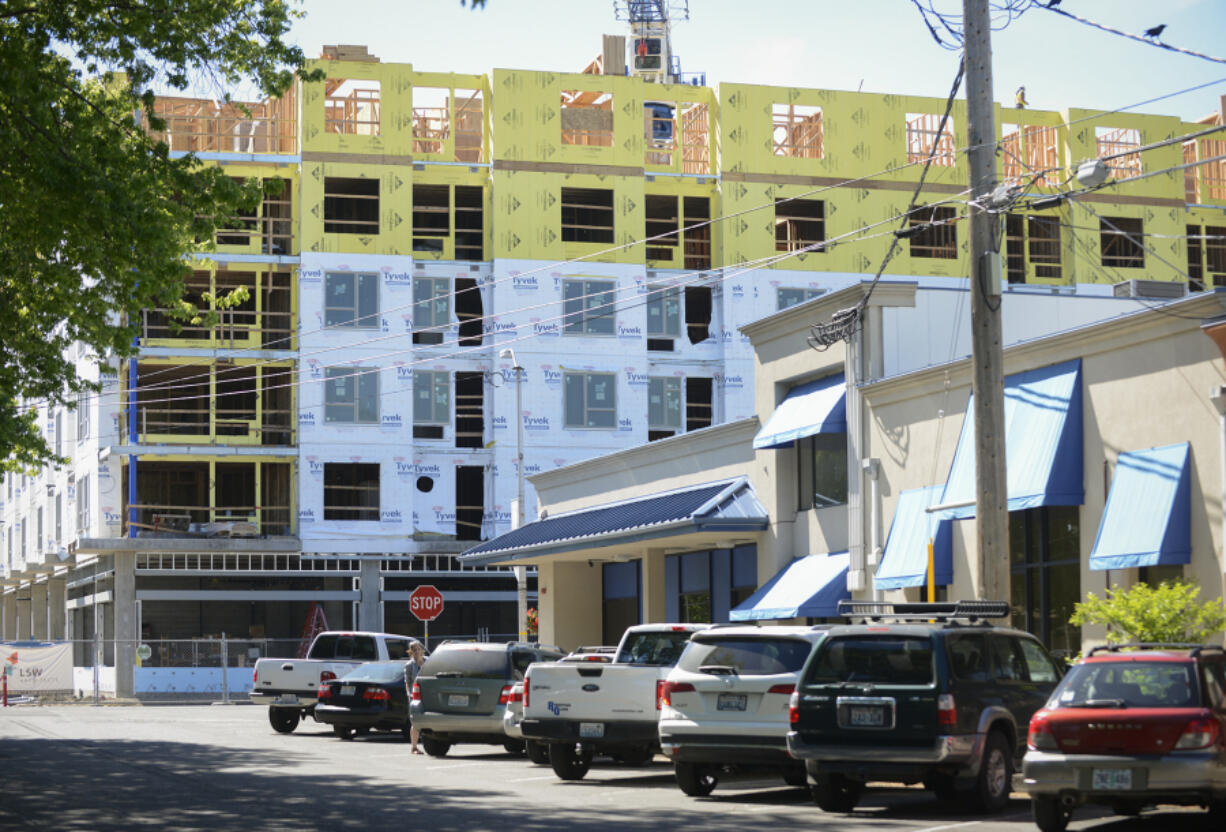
(1168, 613)
(96, 219)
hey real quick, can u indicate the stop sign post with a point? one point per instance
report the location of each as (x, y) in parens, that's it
(426, 604)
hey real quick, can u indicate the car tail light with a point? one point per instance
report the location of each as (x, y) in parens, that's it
(527, 690)
(517, 695)
(255, 677)
(786, 690)
(504, 695)
(325, 691)
(375, 695)
(947, 713)
(1040, 737)
(665, 691)
(416, 695)
(1199, 733)
(794, 709)
(595, 658)
(326, 676)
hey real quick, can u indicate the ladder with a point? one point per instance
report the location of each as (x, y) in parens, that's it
(315, 624)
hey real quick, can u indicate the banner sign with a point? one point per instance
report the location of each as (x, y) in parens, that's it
(30, 669)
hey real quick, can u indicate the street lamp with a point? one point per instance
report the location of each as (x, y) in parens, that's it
(521, 575)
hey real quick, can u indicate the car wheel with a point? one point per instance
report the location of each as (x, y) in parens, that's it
(796, 776)
(695, 780)
(538, 752)
(435, 747)
(283, 720)
(1050, 815)
(343, 732)
(515, 747)
(836, 793)
(995, 779)
(570, 760)
(635, 755)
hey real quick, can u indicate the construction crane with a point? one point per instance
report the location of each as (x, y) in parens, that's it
(650, 45)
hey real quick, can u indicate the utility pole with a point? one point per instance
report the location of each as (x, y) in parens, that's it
(992, 517)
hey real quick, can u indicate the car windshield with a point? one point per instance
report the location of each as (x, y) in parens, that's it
(879, 660)
(380, 673)
(1129, 684)
(659, 649)
(361, 648)
(746, 656)
(469, 662)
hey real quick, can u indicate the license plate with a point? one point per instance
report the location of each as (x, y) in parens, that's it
(591, 730)
(730, 702)
(346, 690)
(458, 700)
(867, 717)
(1112, 779)
(287, 699)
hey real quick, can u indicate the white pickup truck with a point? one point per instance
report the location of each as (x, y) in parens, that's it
(580, 708)
(290, 686)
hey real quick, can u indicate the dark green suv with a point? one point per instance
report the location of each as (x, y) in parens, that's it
(918, 693)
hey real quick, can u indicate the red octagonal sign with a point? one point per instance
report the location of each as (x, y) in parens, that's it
(426, 603)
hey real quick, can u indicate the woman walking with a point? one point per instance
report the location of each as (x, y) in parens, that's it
(417, 657)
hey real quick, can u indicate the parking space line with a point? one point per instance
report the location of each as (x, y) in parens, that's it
(530, 779)
(1016, 816)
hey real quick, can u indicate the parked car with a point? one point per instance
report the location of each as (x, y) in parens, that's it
(289, 686)
(512, 719)
(918, 693)
(463, 690)
(369, 697)
(724, 707)
(1130, 728)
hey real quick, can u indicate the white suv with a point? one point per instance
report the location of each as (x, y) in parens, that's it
(725, 705)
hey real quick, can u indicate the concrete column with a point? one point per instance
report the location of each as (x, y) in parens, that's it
(38, 612)
(126, 635)
(653, 602)
(57, 608)
(8, 616)
(23, 612)
(370, 608)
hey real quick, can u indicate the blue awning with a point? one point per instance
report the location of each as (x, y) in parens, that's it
(1042, 443)
(809, 587)
(1147, 521)
(808, 409)
(727, 505)
(905, 560)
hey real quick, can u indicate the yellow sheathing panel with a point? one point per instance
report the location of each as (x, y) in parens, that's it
(395, 208)
(395, 104)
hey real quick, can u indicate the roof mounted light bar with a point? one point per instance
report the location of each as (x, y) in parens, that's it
(936, 611)
(1193, 648)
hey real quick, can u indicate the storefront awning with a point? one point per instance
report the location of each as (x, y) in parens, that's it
(808, 587)
(728, 505)
(1042, 443)
(809, 409)
(1147, 521)
(905, 560)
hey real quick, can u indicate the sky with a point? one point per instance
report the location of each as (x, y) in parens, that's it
(874, 45)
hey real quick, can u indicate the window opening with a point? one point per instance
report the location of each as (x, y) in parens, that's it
(796, 131)
(799, 223)
(698, 313)
(469, 124)
(351, 206)
(659, 131)
(235, 406)
(1120, 238)
(695, 138)
(786, 296)
(1113, 140)
(1032, 241)
(431, 120)
(923, 135)
(351, 300)
(1206, 256)
(278, 321)
(352, 395)
(663, 317)
(588, 307)
(468, 311)
(1045, 579)
(469, 501)
(591, 400)
(82, 508)
(663, 407)
(469, 223)
(351, 106)
(83, 419)
(431, 403)
(278, 406)
(822, 470)
(587, 118)
(587, 215)
(699, 410)
(351, 491)
(470, 410)
(431, 309)
(697, 240)
(431, 217)
(1028, 149)
(647, 53)
(662, 219)
(937, 236)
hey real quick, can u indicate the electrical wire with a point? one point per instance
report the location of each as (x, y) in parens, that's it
(1150, 41)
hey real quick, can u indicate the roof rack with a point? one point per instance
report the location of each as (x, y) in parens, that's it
(935, 611)
(1193, 648)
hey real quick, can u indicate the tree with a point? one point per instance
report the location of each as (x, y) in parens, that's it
(96, 219)
(1166, 613)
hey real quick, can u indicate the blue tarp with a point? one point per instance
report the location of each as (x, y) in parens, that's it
(905, 560)
(1043, 444)
(808, 409)
(1147, 521)
(809, 587)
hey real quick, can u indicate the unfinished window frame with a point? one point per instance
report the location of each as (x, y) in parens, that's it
(431, 403)
(583, 213)
(449, 212)
(699, 414)
(432, 311)
(937, 239)
(352, 480)
(1119, 241)
(1028, 149)
(469, 409)
(1109, 141)
(664, 405)
(804, 294)
(797, 131)
(800, 223)
(588, 382)
(679, 223)
(352, 106)
(358, 314)
(583, 299)
(586, 118)
(347, 210)
(1032, 244)
(1206, 257)
(357, 401)
(923, 134)
(431, 217)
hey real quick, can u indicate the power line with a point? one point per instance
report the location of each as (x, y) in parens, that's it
(1148, 40)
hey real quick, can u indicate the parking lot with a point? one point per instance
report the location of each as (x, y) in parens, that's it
(115, 767)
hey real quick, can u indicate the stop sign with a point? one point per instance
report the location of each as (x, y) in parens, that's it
(426, 603)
